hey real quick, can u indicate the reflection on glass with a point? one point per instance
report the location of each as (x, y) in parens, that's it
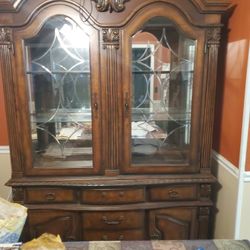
(58, 73)
(162, 79)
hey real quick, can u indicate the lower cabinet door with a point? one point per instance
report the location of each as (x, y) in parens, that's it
(56, 222)
(173, 223)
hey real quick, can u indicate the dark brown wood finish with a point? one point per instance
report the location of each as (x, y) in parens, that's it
(111, 45)
(213, 41)
(178, 192)
(113, 196)
(8, 74)
(196, 34)
(56, 222)
(114, 235)
(114, 200)
(22, 97)
(173, 224)
(113, 220)
(204, 213)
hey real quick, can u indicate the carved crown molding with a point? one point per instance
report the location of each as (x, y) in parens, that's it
(111, 5)
(205, 6)
(10, 5)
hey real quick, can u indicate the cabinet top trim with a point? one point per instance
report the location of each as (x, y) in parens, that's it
(111, 181)
(19, 13)
(119, 5)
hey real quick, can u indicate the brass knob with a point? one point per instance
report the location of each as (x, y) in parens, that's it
(173, 194)
(121, 194)
(104, 237)
(50, 196)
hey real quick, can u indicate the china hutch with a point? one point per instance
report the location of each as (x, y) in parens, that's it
(110, 108)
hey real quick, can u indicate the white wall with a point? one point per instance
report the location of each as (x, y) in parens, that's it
(5, 172)
(245, 217)
(226, 197)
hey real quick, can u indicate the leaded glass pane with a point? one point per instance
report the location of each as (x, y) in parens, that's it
(161, 100)
(58, 72)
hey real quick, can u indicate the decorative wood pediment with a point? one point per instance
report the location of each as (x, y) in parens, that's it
(10, 5)
(205, 6)
(111, 5)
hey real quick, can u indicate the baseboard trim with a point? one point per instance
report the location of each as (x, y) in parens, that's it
(222, 161)
(4, 149)
(247, 176)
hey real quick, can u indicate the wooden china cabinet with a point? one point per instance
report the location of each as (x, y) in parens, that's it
(110, 108)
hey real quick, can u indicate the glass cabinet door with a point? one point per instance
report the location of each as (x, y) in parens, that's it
(59, 89)
(161, 93)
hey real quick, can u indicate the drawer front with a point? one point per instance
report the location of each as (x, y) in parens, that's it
(113, 220)
(111, 196)
(178, 192)
(117, 235)
(51, 195)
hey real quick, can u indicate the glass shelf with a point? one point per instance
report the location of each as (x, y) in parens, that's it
(65, 115)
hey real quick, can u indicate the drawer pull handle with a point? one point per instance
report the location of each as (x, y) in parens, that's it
(112, 222)
(71, 238)
(104, 237)
(50, 196)
(173, 194)
(126, 107)
(121, 194)
(121, 237)
(104, 194)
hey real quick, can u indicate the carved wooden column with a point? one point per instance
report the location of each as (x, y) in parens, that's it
(205, 191)
(204, 213)
(6, 53)
(213, 40)
(111, 39)
(18, 195)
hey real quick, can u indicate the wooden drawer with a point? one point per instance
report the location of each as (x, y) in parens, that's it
(113, 220)
(113, 196)
(50, 195)
(177, 192)
(111, 235)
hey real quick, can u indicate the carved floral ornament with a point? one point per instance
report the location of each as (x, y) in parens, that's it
(111, 5)
(214, 35)
(111, 37)
(5, 35)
